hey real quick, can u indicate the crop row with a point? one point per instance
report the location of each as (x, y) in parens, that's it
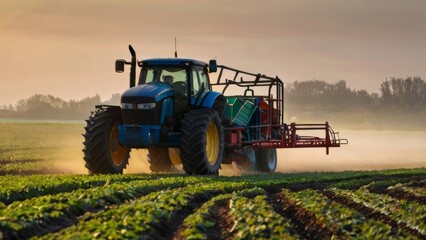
(256, 219)
(204, 219)
(16, 188)
(418, 192)
(409, 213)
(146, 217)
(49, 212)
(420, 183)
(380, 186)
(341, 221)
(375, 183)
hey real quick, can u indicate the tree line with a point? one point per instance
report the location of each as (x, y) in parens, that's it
(401, 104)
(404, 93)
(314, 98)
(41, 106)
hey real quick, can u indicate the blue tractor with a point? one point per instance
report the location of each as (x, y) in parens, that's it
(173, 112)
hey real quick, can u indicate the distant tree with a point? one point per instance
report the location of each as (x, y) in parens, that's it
(320, 95)
(408, 92)
(385, 88)
(86, 104)
(114, 100)
(21, 105)
(47, 106)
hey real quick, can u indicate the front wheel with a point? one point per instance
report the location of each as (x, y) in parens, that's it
(202, 143)
(102, 151)
(266, 160)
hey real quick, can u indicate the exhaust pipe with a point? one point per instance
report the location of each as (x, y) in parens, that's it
(132, 67)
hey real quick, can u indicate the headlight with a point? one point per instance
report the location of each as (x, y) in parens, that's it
(126, 105)
(146, 105)
(138, 106)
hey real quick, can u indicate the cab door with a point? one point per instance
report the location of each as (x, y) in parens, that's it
(199, 85)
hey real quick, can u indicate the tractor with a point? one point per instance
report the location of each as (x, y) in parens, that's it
(179, 110)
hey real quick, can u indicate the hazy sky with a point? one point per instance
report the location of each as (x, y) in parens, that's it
(68, 48)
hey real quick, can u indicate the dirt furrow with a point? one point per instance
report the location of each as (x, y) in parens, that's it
(403, 195)
(224, 221)
(306, 224)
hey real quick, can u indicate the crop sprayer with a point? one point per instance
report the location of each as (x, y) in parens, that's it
(181, 111)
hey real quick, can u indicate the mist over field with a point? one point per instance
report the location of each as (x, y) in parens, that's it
(385, 131)
(367, 150)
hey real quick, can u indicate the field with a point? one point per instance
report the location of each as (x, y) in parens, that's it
(39, 147)
(375, 205)
(37, 200)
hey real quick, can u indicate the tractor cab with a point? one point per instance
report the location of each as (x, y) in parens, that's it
(187, 78)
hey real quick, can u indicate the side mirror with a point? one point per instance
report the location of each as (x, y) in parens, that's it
(212, 66)
(119, 65)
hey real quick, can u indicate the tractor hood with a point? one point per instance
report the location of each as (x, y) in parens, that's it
(151, 92)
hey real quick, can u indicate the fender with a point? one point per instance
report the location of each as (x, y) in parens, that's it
(206, 100)
(114, 107)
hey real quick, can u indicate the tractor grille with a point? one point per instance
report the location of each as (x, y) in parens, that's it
(141, 116)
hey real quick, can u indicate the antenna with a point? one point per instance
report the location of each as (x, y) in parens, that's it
(175, 49)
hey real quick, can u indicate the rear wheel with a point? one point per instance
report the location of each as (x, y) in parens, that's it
(202, 142)
(247, 161)
(103, 153)
(266, 160)
(159, 159)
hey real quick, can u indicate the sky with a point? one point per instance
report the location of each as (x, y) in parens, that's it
(68, 48)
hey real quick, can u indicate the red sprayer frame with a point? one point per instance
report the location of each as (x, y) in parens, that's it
(290, 138)
(273, 132)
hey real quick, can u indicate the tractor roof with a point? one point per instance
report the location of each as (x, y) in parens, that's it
(170, 62)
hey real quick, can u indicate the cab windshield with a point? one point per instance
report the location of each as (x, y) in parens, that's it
(169, 75)
(176, 77)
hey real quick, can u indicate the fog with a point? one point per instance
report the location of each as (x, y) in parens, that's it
(367, 150)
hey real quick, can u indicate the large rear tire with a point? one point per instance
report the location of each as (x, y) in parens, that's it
(202, 143)
(102, 151)
(266, 160)
(159, 159)
(246, 162)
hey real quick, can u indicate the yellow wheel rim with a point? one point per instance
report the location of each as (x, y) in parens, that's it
(118, 152)
(174, 154)
(212, 143)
